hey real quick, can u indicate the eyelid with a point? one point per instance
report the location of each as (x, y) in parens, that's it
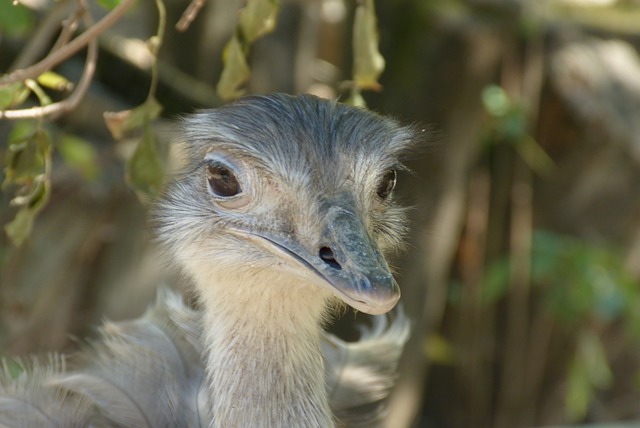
(219, 159)
(242, 198)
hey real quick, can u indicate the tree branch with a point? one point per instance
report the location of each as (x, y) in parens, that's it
(76, 96)
(189, 15)
(60, 55)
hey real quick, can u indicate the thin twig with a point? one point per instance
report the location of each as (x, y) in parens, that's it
(76, 96)
(69, 49)
(189, 15)
(184, 84)
(69, 26)
(157, 43)
(41, 39)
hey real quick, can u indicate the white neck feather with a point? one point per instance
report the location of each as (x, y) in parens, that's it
(262, 335)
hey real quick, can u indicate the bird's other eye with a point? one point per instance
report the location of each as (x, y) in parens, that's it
(222, 180)
(387, 184)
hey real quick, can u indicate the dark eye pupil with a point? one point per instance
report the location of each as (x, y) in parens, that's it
(222, 181)
(387, 184)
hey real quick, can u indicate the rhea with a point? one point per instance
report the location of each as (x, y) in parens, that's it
(281, 213)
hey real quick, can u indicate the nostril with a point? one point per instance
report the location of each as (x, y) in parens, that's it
(327, 256)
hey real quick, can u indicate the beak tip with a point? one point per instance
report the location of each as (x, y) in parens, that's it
(377, 298)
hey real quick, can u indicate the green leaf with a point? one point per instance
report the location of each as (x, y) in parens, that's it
(496, 281)
(145, 169)
(28, 150)
(535, 156)
(258, 18)
(15, 19)
(80, 155)
(588, 372)
(235, 73)
(437, 349)
(109, 4)
(13, 95)
(19, 229)
(121, 122)
(581, 279)
(579, 392)
(496, 101)
(368, 63)
(54, 81)
(27, 161)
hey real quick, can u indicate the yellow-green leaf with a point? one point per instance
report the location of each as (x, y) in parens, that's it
(496, 101)
(15, 18)
(80, 155)
(438, 349)
(589, 371)
(109, 4)
(34, 195)
(121, 122)
(235, 72)
(27, 154)
(27, 165)
(54, 81)
(145, 169)
(13, 95)
(20, 227)
(368, 63)
(258, 18)
(31, 204)
(535, 156)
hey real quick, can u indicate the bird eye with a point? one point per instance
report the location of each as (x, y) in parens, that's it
(222, 181)
(387, 184)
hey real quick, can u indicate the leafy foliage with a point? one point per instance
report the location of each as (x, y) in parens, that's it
(236, 71)
(13, 95)
(589, 371)
(27, 167)
(80, 155)
(581, 279)
(368, 62)
(509, 124)
(109, 4)
(256, 19)
(15, 18)
(577, 279)
(145, 168)
(580, 284)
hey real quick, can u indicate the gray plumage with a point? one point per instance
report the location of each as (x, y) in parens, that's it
(282, 211)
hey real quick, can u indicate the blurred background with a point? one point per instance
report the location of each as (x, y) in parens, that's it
(522, 269)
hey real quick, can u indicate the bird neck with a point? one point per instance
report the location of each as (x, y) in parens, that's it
(264, 363)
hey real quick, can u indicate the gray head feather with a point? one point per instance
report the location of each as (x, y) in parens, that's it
(304, 146)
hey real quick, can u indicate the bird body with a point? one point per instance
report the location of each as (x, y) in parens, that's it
(280, 215)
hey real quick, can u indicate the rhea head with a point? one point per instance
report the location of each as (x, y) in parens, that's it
(290, 190)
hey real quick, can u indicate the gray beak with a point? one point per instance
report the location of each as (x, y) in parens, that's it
(348, 261)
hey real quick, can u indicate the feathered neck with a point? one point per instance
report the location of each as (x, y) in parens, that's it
(262, 338)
